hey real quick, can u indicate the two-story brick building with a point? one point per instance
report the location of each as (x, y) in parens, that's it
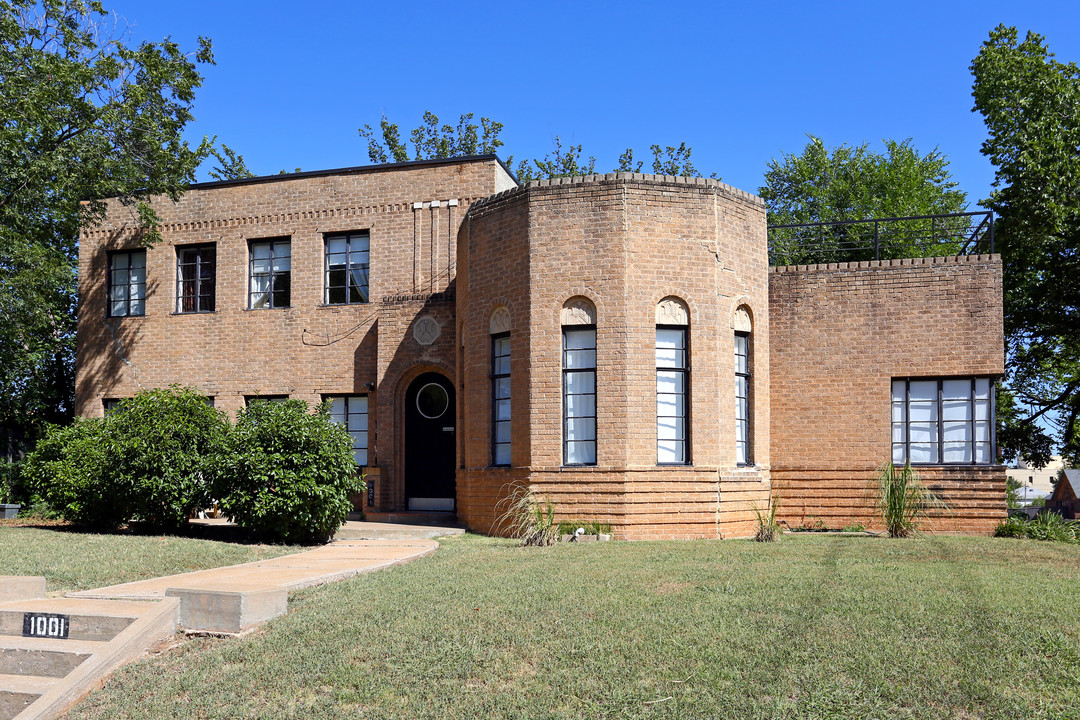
(618, 342)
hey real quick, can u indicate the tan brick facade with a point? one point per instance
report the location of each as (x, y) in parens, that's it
(840, 334)
(458, 252)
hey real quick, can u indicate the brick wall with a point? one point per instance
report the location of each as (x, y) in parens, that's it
(308, 349)
(840, 333)
(624, 241)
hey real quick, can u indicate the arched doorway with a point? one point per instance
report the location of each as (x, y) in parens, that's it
(430, 413)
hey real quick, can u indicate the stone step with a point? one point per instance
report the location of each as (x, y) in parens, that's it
(40, 678)
(80, 627)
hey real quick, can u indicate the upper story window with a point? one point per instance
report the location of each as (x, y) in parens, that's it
(672, 383)
(127, 283)
(943, 421)
(347, 257)
(579, 382)
(196, 271)
(270, 269)
(743, 389)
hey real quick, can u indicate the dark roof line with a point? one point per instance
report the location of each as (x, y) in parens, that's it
(352, 170)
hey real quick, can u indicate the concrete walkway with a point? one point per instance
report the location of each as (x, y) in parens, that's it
(85, 636)
(338, 560)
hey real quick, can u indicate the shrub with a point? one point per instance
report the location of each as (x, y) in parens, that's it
(163, 446)
(69, 469)
(525, 517)
(1013, 527)
(1046, 526)
(903, 499)
(287, 474)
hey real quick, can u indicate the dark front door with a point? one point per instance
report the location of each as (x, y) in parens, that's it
(430, 415)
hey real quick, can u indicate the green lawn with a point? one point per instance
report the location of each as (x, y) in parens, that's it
(79, 561)
(812, 627)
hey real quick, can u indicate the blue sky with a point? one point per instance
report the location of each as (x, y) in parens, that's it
(738, 82)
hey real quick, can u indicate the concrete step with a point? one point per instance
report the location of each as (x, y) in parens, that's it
(40, 678)
(82, 627)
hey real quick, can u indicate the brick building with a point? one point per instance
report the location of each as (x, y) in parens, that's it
(619, 342)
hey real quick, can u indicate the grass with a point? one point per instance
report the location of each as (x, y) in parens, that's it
(72, 560)
(813, 627)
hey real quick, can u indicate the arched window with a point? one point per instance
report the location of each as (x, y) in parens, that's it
(743, 366)
(499, 327)
(672, 382)
(579, 382)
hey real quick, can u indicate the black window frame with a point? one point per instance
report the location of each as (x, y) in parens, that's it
(566, 373)
(111, 405)
(200, 264)
(684, 370)
(348, 398)
(275, 276)
(111, 283)
(348, 237)
(991, 421)
(744, 372)
(496, 376)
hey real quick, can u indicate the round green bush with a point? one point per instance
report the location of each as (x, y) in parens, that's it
(287, 474)
(69, 469)
(164, 445)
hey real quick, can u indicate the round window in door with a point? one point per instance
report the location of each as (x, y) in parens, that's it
(432, 401)
(430, 450)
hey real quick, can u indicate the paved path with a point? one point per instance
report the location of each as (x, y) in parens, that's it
(328, 563)
(97, 631)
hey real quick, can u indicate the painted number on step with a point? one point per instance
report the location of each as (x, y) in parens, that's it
(45, 625)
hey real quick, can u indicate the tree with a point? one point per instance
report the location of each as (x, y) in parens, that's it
(432, 141)
(231, 165)
(1031, 105)
(823, 185)
(83, 116)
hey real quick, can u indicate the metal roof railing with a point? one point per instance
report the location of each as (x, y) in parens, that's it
(967, 233)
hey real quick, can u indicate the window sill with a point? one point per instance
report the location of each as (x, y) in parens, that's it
(121, 317)
(284, 307)
(196, 312)
(344, 305)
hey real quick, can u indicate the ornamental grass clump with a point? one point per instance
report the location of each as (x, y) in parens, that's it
(528, 518)
(903, 500)
(768, 529)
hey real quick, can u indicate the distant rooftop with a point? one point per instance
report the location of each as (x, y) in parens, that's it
(358, 169)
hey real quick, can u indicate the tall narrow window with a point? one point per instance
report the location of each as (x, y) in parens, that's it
(579, 395)
(196, 270)
(351, 411)
(672, 389)
(943, 421)
(270, 273)
(500, 398)
(347, 259)
(127, 283)
(742, 398)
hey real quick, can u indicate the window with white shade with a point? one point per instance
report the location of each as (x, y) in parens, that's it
(672, 394)
(943, 421)
(579, 395)
(347, 263)
(351, 411)
(270, 271)
(127, 283)
(742, 398)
